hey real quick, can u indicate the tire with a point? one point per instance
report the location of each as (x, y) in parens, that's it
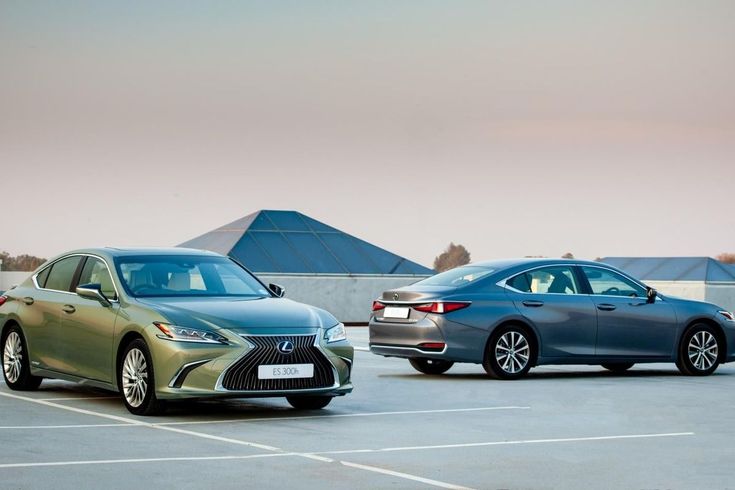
(16, 367)
(309, 402)
(430, 366)
(699, 351)
(136, 380)
(618, 367)
(509, 353)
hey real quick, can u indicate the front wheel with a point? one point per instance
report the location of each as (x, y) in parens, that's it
(137, 382)
(16, 368)
(617, 367)
(699, 351)
(509, 353)
(309, 402)
(430, 366)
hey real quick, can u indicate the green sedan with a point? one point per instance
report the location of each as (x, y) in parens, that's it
(169, 324)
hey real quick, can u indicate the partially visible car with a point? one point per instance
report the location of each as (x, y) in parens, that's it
(512, 315)
(169, 324)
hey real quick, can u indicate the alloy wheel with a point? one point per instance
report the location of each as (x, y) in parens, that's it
(12, 357)
(702, 350)
(135, 377)
(512, 352)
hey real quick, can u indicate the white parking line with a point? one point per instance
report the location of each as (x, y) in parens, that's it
(361, 349)
(261, 419)
(73, 398)
(419, 479)
(339, 415)
(70, 426)
(509, 443)
(276, 451)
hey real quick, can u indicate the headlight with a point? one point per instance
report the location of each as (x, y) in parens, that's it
(728, 315)
(335, 334)
(183, 334)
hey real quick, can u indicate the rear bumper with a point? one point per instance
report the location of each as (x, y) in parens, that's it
(406, 339)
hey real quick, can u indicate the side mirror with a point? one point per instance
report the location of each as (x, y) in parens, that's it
(93, 291)
(651, 294)
(279, 291)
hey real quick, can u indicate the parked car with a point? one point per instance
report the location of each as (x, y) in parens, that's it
(169, 324)
(512, 315)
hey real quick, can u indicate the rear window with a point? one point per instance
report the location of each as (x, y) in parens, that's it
(461, 276)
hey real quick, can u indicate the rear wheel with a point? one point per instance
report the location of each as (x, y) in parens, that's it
(431, 366)
(617, 367)
(16, 368)
(137, 382)
(699, 351)
(309, 402)
(509, 353)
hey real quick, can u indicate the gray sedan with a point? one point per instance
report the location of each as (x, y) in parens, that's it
(512, 315)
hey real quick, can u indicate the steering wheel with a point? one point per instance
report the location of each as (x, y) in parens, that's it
(613, 291)
(140, 287)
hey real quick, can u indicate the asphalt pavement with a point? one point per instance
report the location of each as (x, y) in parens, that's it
(562, 427)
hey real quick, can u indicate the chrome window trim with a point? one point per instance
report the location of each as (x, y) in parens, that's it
(503, 283)
(218, 385)
(82, 254)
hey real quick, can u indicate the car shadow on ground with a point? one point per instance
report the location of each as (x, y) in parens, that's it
(558, 374)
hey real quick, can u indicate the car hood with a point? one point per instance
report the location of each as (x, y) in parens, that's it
(686, 307)
(242, 315)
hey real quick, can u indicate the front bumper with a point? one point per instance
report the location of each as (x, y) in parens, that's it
(189, 370)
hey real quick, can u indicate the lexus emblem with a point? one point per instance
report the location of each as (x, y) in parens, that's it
(395, 296)
(285, 347)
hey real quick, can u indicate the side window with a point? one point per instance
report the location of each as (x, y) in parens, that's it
(95, 272)
(42, 276)
(62, 272)
(609, 283)
(547, 280)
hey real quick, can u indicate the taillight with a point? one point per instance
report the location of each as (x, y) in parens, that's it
(377, 305)
(3, 299)
(441, 307)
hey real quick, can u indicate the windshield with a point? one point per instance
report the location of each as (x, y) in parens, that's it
(186, 275)
(461, 276)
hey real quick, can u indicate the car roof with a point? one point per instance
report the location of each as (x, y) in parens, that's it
(501, 264)
(134, 251)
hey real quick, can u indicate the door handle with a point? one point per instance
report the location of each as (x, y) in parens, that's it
(28, 300)
(606, 307)
(533, 303)
(69, 309)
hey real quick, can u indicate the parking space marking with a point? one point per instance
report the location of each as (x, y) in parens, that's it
(144, 460)
(341, 415)
(509, 443)
(427, 481)
(70, 426)
(360, 348)
(274, 450)
(141, 423)
(73, 398)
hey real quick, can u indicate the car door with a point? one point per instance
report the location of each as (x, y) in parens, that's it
(41, 313)
(627, 324)
(88, 326)
(549, 297)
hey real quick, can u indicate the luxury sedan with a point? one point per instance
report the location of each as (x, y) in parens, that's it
(169, 324)
(515, 314)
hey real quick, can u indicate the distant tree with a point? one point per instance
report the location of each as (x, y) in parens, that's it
(568, 255)
(453, 256)
(25, 263)
(727, 258)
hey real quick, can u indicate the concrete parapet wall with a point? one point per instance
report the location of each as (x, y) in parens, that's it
(349, 298)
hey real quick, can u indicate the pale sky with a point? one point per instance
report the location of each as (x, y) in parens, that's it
(514, 128)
